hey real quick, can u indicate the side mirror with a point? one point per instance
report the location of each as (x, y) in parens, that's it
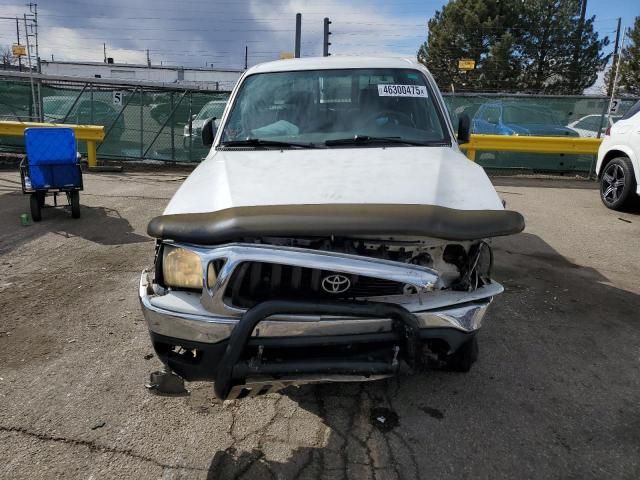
(193, 117)
(209, 130)
(464, 128)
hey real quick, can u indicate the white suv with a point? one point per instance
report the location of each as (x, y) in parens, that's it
(618, 166)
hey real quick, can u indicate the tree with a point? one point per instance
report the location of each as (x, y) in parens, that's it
(541, 46)
(6, 57)
(561, 53)
(467, 29)
(502, 67)
(629, 77)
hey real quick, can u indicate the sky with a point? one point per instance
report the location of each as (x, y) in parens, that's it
(214, 33)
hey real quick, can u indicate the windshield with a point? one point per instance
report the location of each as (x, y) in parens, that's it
(313, 107)
(211, 109)
(524, 115)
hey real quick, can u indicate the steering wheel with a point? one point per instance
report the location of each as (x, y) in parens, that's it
(399, 118)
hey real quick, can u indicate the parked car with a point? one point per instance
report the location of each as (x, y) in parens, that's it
(334, 232)
(193, 135)
(589, 125)
(161, 108)
(58, 109)
(504, 118)
(618, 165)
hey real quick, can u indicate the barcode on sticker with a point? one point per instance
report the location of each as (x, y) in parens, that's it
(402, 91)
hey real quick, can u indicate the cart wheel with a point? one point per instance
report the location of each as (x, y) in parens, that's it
(35, 207)
(41, 196)
(75, 204)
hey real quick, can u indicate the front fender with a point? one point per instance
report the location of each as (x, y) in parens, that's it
(602, 153)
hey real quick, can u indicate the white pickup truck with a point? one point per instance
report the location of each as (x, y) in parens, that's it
(334, 232)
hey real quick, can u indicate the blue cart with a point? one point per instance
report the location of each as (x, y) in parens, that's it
(51, 166)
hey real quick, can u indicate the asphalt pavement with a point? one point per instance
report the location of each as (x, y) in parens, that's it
(555, 393)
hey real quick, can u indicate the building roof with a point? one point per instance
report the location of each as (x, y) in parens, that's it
(146, 67)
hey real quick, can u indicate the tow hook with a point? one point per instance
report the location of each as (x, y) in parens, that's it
(166, 383)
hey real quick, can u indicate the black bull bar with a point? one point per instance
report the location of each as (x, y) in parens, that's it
(231, 368)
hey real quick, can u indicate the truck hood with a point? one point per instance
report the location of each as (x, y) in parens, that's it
(438, 176)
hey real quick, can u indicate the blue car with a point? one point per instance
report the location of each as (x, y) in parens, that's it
(516, 119)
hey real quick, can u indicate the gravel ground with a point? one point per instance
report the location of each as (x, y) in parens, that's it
(555, 394)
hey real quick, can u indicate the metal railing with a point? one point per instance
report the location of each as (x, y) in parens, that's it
(146, 120)
(88, 133)
(141, 120)
(531, 144)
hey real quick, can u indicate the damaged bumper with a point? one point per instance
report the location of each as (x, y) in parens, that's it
(278, 343)
(180, 315)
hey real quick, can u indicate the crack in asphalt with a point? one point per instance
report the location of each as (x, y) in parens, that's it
(94, 447)
(396, 434)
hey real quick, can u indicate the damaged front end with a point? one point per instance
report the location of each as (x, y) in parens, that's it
(264, 312)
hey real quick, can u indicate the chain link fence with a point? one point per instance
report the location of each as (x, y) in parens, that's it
(140, 122)
(541, 115)
(164, 122)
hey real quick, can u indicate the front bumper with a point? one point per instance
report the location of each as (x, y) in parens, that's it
(356, 341)
(180, 315)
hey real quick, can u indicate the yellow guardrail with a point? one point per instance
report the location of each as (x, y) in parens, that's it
(88, 133)
(531, 144)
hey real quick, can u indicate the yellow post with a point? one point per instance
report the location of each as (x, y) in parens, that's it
(91, 154)
(471, 154)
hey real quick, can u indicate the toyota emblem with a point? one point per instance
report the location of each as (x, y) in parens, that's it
(336, 283)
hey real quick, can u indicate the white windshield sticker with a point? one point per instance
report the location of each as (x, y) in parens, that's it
(402, 91)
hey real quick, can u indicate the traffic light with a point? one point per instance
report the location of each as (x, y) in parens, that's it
(326, 43)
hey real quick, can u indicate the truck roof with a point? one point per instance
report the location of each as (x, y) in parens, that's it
(334, 62)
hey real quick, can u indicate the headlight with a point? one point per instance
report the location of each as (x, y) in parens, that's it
(181, 268)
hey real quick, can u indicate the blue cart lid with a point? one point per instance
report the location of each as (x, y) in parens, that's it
(50, 146)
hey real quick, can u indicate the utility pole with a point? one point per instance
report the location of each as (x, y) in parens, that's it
(326, 42)
(573, 75)
(18, 37)
(104, 50)
(583, 10)
(33, 9)
(615, 80)
(246, 56)
(33, 92)
(298, 34)
(614, 67)
(148, 59)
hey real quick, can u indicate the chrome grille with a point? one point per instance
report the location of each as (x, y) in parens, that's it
(255, 282)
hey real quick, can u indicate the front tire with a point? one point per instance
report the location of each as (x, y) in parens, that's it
(463, 359)
(34, 203)
(41, 198)
(75, 203)
(617, 183)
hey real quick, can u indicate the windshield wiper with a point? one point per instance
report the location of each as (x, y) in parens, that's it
(364, 139)
(259, 142)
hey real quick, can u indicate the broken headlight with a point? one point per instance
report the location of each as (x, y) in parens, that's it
(476, 270)
(181, 268)
(484, 261)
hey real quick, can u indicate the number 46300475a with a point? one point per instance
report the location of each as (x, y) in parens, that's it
(387, 90)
